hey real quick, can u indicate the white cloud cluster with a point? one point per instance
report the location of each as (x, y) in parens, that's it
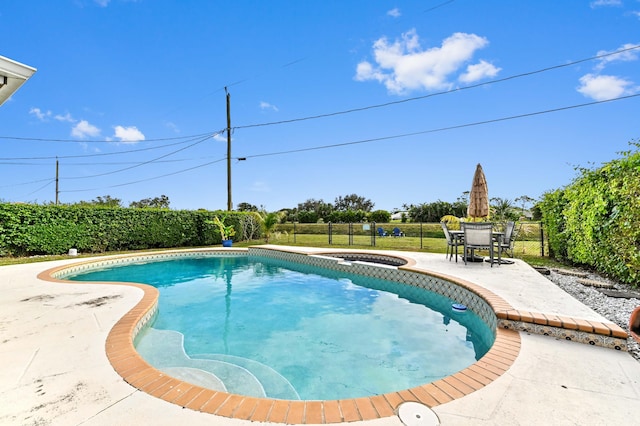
(82, 129)
(601, 87)
(404, 66)
(394, 13)
(220, 137)
(604, 3)
(129, 134)
(267, 105)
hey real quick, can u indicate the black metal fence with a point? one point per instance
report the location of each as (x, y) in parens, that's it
(530, 239)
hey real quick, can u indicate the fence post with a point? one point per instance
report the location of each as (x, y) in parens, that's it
(420, 235)
(541, 241)
(330, 234)
(294, 232)
(372, 226)
(350, 233)
(373, 234)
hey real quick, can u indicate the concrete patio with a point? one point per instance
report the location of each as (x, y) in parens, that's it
(55, 370)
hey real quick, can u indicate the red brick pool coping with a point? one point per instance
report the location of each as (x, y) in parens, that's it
(138, 373)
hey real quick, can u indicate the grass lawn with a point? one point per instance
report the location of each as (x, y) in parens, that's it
(529, 251)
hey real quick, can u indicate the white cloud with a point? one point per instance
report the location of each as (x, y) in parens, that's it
(395, 13)
(172, 126)
(129, 134)
(102, 3)
(40, 115)
(603, 87)
(220, 137)
(403, 65)
(84, 129)
(266, 105)
(626, 56)
(479, 71)
(601, 3)
(66, 118)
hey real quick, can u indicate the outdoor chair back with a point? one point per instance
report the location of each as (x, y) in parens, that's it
(479, 236)
(510, 234)
(452, 241)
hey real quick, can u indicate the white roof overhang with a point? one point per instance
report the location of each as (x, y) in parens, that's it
(12, 75)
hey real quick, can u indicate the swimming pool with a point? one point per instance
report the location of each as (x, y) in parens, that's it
(382, 324)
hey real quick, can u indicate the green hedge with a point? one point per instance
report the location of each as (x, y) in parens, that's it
(27, 229)
(595, 220)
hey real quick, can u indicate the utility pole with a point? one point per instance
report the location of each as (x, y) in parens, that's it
(57, 182)
(229, 203)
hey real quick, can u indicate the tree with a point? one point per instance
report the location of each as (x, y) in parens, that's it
(380, 216)
(106, 201)
(502, 209)
(353, 202)
(161, 202)
(433, 212)
(524, 200)
(268, 223)
(313, 210)
(246, 207)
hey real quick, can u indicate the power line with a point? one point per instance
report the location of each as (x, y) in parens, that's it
(459, 89)
(18, 138)
(442, 129)
(28, 183)
(42, 187)
(148, 179)
(141, 164)
(438, 6)
(102, 154)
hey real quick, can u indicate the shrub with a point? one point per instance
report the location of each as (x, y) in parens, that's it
(40, 230)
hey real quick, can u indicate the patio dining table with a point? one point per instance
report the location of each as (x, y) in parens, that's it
(459, 236)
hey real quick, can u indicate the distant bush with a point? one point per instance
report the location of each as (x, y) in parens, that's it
(381, 216)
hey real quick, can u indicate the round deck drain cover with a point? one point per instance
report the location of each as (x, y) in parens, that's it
(416, 414)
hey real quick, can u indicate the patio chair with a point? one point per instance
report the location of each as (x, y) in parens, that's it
(453, 241)
(397, 232)
(382, 232)
(510, 235)
(479, 235)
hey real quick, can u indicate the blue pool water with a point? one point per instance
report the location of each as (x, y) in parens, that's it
(269, 328)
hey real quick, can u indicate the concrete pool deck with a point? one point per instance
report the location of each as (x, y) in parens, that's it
(55, 369)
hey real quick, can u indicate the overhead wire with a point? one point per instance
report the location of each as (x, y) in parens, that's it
(142, 163)
(445, 92)
(138, 164)
(20, 138)
(42, 187)
(495, 81)
(370, 140)
(442, 129)
(148, 179)
(102, 154)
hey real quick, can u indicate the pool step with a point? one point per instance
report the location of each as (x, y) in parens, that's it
(275, 385)
(164, 349)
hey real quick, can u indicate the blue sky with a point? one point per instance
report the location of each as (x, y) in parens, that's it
(394, 101)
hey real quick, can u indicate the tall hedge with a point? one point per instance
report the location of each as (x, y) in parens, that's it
(595, 220)
(27, 229)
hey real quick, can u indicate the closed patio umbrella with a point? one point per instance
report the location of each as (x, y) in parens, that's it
(479, 195)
